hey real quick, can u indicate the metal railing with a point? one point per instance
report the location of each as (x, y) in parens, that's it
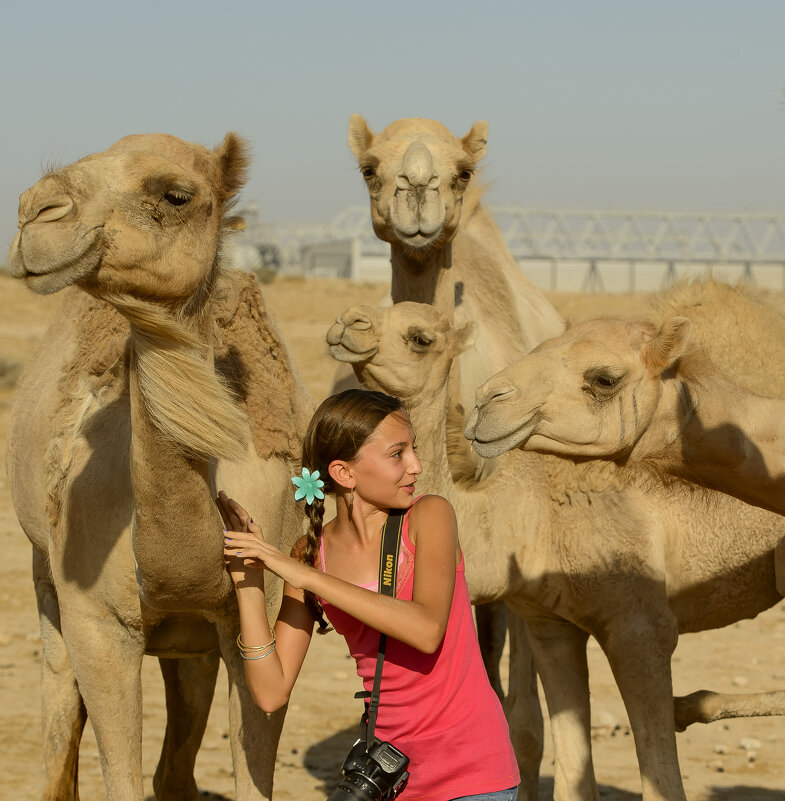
(600, 243)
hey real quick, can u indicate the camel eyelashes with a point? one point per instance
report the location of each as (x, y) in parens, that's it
(420, 339)
(176, 197)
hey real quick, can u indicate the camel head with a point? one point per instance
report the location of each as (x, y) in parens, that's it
(404, 350)
(591, 392)
(417, 174)
(143, 218)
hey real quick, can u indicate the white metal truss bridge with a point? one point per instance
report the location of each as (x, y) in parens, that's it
(598, 245)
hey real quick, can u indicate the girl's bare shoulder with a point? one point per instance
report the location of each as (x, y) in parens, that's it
(430, 511)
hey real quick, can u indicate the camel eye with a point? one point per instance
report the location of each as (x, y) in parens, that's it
(603, 382)
(368, 171)
(420, 340)
(465, 175)
(176, 197)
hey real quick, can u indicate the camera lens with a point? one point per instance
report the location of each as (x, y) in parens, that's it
(355, 787)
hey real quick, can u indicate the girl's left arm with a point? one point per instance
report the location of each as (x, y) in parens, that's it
(421, 622)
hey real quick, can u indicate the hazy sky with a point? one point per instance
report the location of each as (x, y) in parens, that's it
(593, 104)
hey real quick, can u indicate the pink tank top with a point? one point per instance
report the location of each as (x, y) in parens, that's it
(439, 709)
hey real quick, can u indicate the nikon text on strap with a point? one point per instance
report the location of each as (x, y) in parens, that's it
(388, 569)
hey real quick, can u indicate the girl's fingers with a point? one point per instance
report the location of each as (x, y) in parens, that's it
(233, 515)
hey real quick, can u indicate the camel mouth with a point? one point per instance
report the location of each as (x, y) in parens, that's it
(345, 346)
(39, 259)
(494, 442)
(342, 353)
(419, 239)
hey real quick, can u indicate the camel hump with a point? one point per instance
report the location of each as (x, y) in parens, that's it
(254, 361)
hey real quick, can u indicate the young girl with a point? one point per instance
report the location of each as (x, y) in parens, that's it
(436, 703)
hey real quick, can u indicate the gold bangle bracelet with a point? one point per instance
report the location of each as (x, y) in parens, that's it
(248, 649)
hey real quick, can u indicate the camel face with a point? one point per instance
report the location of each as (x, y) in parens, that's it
(590, 392)
(407, 335)
(417, 173)
(141, 218)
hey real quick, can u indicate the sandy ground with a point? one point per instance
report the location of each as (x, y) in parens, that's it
(742, 759)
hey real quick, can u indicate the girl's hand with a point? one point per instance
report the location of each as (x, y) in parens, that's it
(246, 550)
(238, 523)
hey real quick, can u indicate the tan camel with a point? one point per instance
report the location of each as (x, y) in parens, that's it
(577, 554)
(447, 251)
(119, 436)
(445, 248)
(635, 392)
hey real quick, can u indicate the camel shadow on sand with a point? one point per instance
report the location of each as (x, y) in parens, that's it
(323, 761)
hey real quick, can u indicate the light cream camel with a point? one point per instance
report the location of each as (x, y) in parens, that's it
(120, 434)
(577, 554)
(635, 392)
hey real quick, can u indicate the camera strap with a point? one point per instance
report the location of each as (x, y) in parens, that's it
(388, 570)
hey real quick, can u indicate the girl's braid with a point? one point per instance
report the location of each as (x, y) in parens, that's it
(315, 512)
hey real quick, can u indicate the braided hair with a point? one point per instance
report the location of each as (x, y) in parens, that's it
(341, 425)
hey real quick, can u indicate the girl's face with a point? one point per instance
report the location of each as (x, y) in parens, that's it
(386, 466)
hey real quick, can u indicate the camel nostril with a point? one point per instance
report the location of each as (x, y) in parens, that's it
(497, 394)
(502, 394)
(46, 211)
(354, 318)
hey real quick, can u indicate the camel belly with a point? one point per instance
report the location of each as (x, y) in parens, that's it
(181, 635)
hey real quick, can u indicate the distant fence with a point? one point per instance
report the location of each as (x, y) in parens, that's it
(587, 251)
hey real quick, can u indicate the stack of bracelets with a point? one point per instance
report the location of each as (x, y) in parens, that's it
(255, 651)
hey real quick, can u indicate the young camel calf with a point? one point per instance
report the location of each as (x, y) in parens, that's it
(579, 555)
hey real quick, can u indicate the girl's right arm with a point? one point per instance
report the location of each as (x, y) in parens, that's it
(272, 677)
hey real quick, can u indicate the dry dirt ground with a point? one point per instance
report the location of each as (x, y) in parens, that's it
(742, 759)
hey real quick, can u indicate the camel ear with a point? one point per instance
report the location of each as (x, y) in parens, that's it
(360, 135)
(668, 344)
(234, 223)
(467, 336)
(234, 159)
(475, 142)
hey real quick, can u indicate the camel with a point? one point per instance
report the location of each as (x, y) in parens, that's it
(581, 554)
(161, 378)
(635, 392)
(446, 250)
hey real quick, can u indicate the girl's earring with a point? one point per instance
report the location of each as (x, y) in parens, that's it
(351, 501)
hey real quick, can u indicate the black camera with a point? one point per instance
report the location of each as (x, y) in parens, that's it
(378, 774)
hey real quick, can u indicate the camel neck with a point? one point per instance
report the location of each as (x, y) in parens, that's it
(181, 525)
(727, 438)
(429, 281)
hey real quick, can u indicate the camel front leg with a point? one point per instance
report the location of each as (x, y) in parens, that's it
(107, 658)
(560, 656)
(190, 684)
(639, 650)
(253, 734)
(63, 711)
(522, 709)
(492, 632)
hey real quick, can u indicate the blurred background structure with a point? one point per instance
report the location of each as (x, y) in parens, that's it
(559, 249)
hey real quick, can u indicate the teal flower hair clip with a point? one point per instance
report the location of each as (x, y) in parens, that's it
(309, 486)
